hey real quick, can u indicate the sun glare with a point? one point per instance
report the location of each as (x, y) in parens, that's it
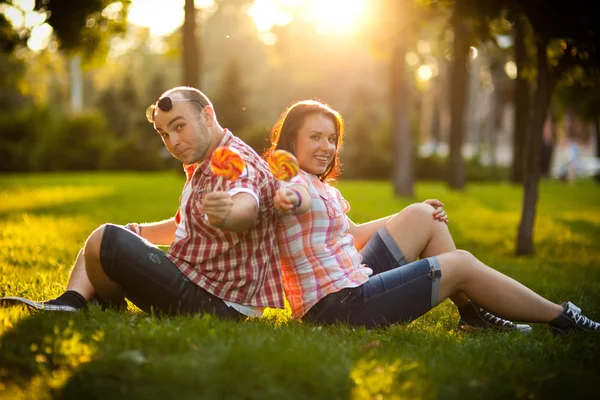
(424, 73)
(336, 16)
(161, 16)
(267, 13)
(327, 16)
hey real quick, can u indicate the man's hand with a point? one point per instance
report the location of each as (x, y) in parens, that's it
(217, 206)
(439, 212)
(285, 200)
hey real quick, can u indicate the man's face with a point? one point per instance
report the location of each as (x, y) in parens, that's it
(183, 131)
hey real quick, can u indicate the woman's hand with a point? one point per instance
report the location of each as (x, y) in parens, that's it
(439, 212)
(285, 200)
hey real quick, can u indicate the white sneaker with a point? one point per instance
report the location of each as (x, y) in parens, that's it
(35, 305)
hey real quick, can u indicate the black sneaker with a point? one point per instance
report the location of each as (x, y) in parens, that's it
(571, 319)
(478, 319)
(35, 305)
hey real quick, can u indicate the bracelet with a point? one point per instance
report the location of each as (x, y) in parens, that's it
(299, 196)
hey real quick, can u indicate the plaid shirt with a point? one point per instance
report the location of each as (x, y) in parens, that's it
(240, 267)
(318, 256)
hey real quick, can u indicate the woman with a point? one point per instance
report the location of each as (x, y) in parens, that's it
(368, 274)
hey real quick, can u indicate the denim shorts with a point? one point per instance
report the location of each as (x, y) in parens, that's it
(150, 280)
(397, 292)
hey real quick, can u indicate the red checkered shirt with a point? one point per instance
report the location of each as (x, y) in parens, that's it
(240, 267)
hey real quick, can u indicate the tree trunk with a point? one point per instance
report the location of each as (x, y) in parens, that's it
(403, 160)
(458, 93)
(522, 104)
(546, 82)
(191, 60)
(495, 122)
(597, 120)
(76, 85)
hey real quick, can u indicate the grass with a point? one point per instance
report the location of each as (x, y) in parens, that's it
(44, 220)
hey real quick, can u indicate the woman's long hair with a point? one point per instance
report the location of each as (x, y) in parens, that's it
(285, 132)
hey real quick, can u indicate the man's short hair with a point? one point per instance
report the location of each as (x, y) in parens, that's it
(196, 97)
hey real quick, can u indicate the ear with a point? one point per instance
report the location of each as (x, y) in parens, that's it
(208, 116)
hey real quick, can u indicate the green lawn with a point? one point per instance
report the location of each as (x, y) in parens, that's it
(44, 219)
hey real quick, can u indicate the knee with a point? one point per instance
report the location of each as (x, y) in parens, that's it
(465, 258)
(92, 244)
(420, 211)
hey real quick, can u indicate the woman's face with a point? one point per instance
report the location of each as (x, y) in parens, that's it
(315, 145)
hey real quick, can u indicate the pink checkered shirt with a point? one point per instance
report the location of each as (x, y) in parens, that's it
(241, 267)
(318, 256)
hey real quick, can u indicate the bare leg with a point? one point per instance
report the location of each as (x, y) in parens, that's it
(106, 289)
(79, 281)
(418, 234)
(497, 293)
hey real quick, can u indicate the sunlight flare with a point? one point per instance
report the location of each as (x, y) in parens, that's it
(336, 16)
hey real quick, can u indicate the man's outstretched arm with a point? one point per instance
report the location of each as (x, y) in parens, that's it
(236, 213)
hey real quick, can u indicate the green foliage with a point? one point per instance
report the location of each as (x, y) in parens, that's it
(231, 99)
(367, 152)
(256, 137)
(136, 151)
(9, 39)
(435, 168)
(584, 99)
(131, 356)
(40, 139)
(78, 25)
(24, 138)
(12, 72)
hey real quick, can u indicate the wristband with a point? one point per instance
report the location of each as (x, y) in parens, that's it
(299, 196)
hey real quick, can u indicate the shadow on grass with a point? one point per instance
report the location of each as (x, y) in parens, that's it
(124, 356)
(133, 356)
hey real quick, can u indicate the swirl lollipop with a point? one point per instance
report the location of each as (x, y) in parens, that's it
(283, 165)
(227, 162)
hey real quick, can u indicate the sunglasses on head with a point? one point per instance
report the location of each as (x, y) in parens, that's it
(165, 104)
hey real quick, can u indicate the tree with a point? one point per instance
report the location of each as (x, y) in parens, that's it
(564, 38)
(522, 99)
(582, 97)
(470, 21)
(394, 20)
(83, 26)
(191, 46)
(458, 94)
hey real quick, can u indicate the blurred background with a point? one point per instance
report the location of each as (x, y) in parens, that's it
(453, 90)
(429, 89)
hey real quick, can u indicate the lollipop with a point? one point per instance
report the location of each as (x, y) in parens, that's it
(228, 163)
(283, 165)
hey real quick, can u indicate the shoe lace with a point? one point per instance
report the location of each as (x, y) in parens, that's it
(495, 320)
(583, 321)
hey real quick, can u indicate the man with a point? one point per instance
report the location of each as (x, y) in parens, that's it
(223, 256)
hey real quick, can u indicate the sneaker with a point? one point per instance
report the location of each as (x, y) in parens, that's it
(35, 305)
(479, 319)
(571, 319)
